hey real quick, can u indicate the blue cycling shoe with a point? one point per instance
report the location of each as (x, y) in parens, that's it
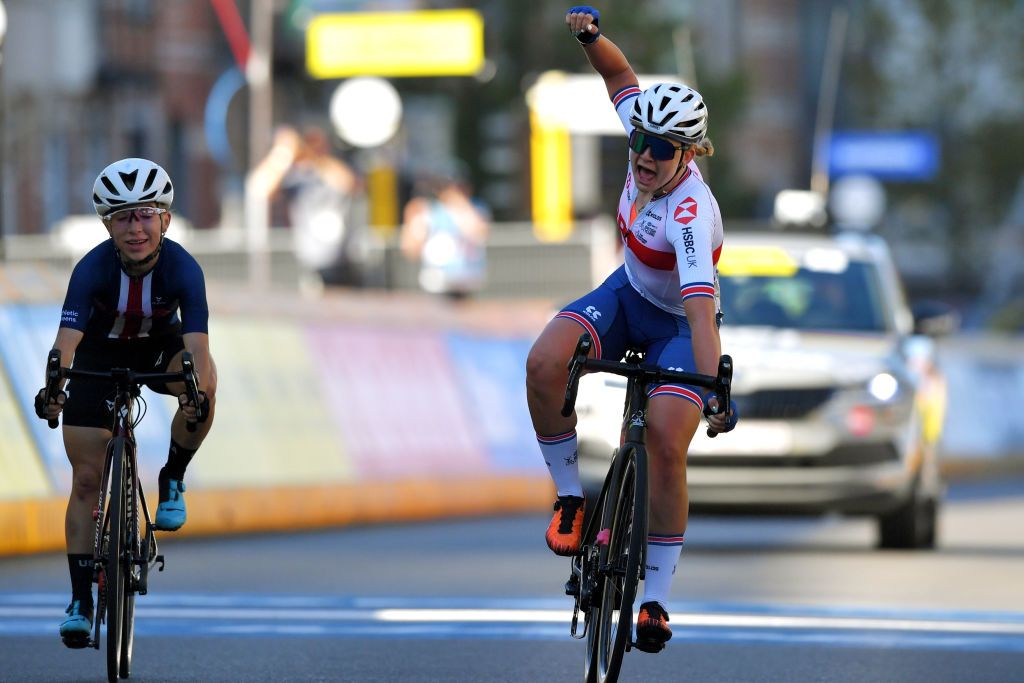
(75, 630)
(170, 514)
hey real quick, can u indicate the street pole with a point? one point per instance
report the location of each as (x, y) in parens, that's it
(827, 100)
(3, 138)
(258, 75)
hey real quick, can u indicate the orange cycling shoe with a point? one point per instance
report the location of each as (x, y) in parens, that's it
(652, 631)
(566, 528)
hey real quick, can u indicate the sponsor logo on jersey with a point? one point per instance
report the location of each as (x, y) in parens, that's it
(67, 316)
(688, 240)
(686, 211)
(592, 313)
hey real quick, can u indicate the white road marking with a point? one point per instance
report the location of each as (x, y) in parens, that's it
(369, 617)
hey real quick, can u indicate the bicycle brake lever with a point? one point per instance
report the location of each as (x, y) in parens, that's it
(723, 387)
(52, 380)
(188, 369)
(579, 357)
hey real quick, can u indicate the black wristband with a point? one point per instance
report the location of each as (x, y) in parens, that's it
(586, 37)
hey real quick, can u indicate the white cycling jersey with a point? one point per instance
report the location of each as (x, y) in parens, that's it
(672, 245)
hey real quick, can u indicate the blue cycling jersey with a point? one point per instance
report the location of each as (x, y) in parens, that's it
(105, 302)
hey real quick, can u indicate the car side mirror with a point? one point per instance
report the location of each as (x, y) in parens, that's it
(935, 318)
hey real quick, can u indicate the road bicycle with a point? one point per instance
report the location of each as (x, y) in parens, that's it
(610, 563)
(122, 556)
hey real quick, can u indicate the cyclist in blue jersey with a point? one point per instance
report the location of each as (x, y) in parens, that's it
(664, 300)
(122, 310)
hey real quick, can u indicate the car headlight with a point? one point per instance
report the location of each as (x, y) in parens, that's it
(883, 386)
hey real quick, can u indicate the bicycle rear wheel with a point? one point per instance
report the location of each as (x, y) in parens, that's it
(625, 518)
(114, 564)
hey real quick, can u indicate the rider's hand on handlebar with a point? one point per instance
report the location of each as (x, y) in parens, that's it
(718, 421)
(189, 408)
(49, 411)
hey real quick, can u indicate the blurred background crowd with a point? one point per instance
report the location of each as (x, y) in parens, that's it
(299, 131)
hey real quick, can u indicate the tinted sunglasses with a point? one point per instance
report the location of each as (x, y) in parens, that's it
(661, 149)
(142, 214)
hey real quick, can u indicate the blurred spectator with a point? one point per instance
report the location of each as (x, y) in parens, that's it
(318, 189)
(445, 231)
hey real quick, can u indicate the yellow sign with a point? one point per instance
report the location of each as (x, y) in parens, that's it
(756, 262)
(550, 179)
(389, 44)
(22, 474)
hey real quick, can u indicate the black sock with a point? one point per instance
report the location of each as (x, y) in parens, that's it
(80, 566)
(178, 458)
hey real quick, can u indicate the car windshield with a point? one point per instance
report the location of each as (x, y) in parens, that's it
(804, 299)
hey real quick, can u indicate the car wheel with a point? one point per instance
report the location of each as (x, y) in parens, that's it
(910, 526)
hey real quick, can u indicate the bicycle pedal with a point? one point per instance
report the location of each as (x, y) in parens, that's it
(649, 646)
(76, 642)
(159, 560)
(572, 586)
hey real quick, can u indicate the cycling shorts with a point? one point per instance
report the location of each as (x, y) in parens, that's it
(90, 403)
(619, 319)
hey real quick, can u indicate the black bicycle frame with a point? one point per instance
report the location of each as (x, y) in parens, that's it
(634, 425)
(127, 383)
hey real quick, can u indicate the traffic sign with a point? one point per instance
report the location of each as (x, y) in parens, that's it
(886, 155)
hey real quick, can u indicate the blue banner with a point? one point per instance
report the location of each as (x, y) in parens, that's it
(27, 332)
(493, 375)
(886, 155)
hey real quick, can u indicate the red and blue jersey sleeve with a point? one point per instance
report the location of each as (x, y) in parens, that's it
(690, 230)
(623, 101)
(88, 279)
(185, 281)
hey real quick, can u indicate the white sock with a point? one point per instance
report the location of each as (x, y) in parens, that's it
(662, 555)
(559, 453)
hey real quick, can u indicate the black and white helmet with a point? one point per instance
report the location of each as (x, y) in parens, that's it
(672, 110)
(129, 182)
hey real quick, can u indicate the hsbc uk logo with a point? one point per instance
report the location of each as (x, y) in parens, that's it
(686, 211)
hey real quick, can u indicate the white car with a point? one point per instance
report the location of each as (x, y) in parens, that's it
(840, 402)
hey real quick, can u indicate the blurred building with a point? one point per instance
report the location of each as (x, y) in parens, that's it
(86, 82)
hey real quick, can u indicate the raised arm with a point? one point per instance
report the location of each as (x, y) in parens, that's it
(604, 55)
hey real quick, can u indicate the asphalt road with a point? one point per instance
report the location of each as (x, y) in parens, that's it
(479, 600)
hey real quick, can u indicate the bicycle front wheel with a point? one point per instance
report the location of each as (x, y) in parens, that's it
(625, 519)
(133, 551)
(116, 578)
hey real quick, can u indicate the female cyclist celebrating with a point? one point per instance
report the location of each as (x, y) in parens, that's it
(121, 310)
(663, 300)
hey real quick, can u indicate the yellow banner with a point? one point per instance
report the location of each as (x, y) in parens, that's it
(22, 474)
(389, 44)
(272, 427)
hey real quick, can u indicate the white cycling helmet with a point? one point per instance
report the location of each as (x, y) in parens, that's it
(129, 182)
(672, 110)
